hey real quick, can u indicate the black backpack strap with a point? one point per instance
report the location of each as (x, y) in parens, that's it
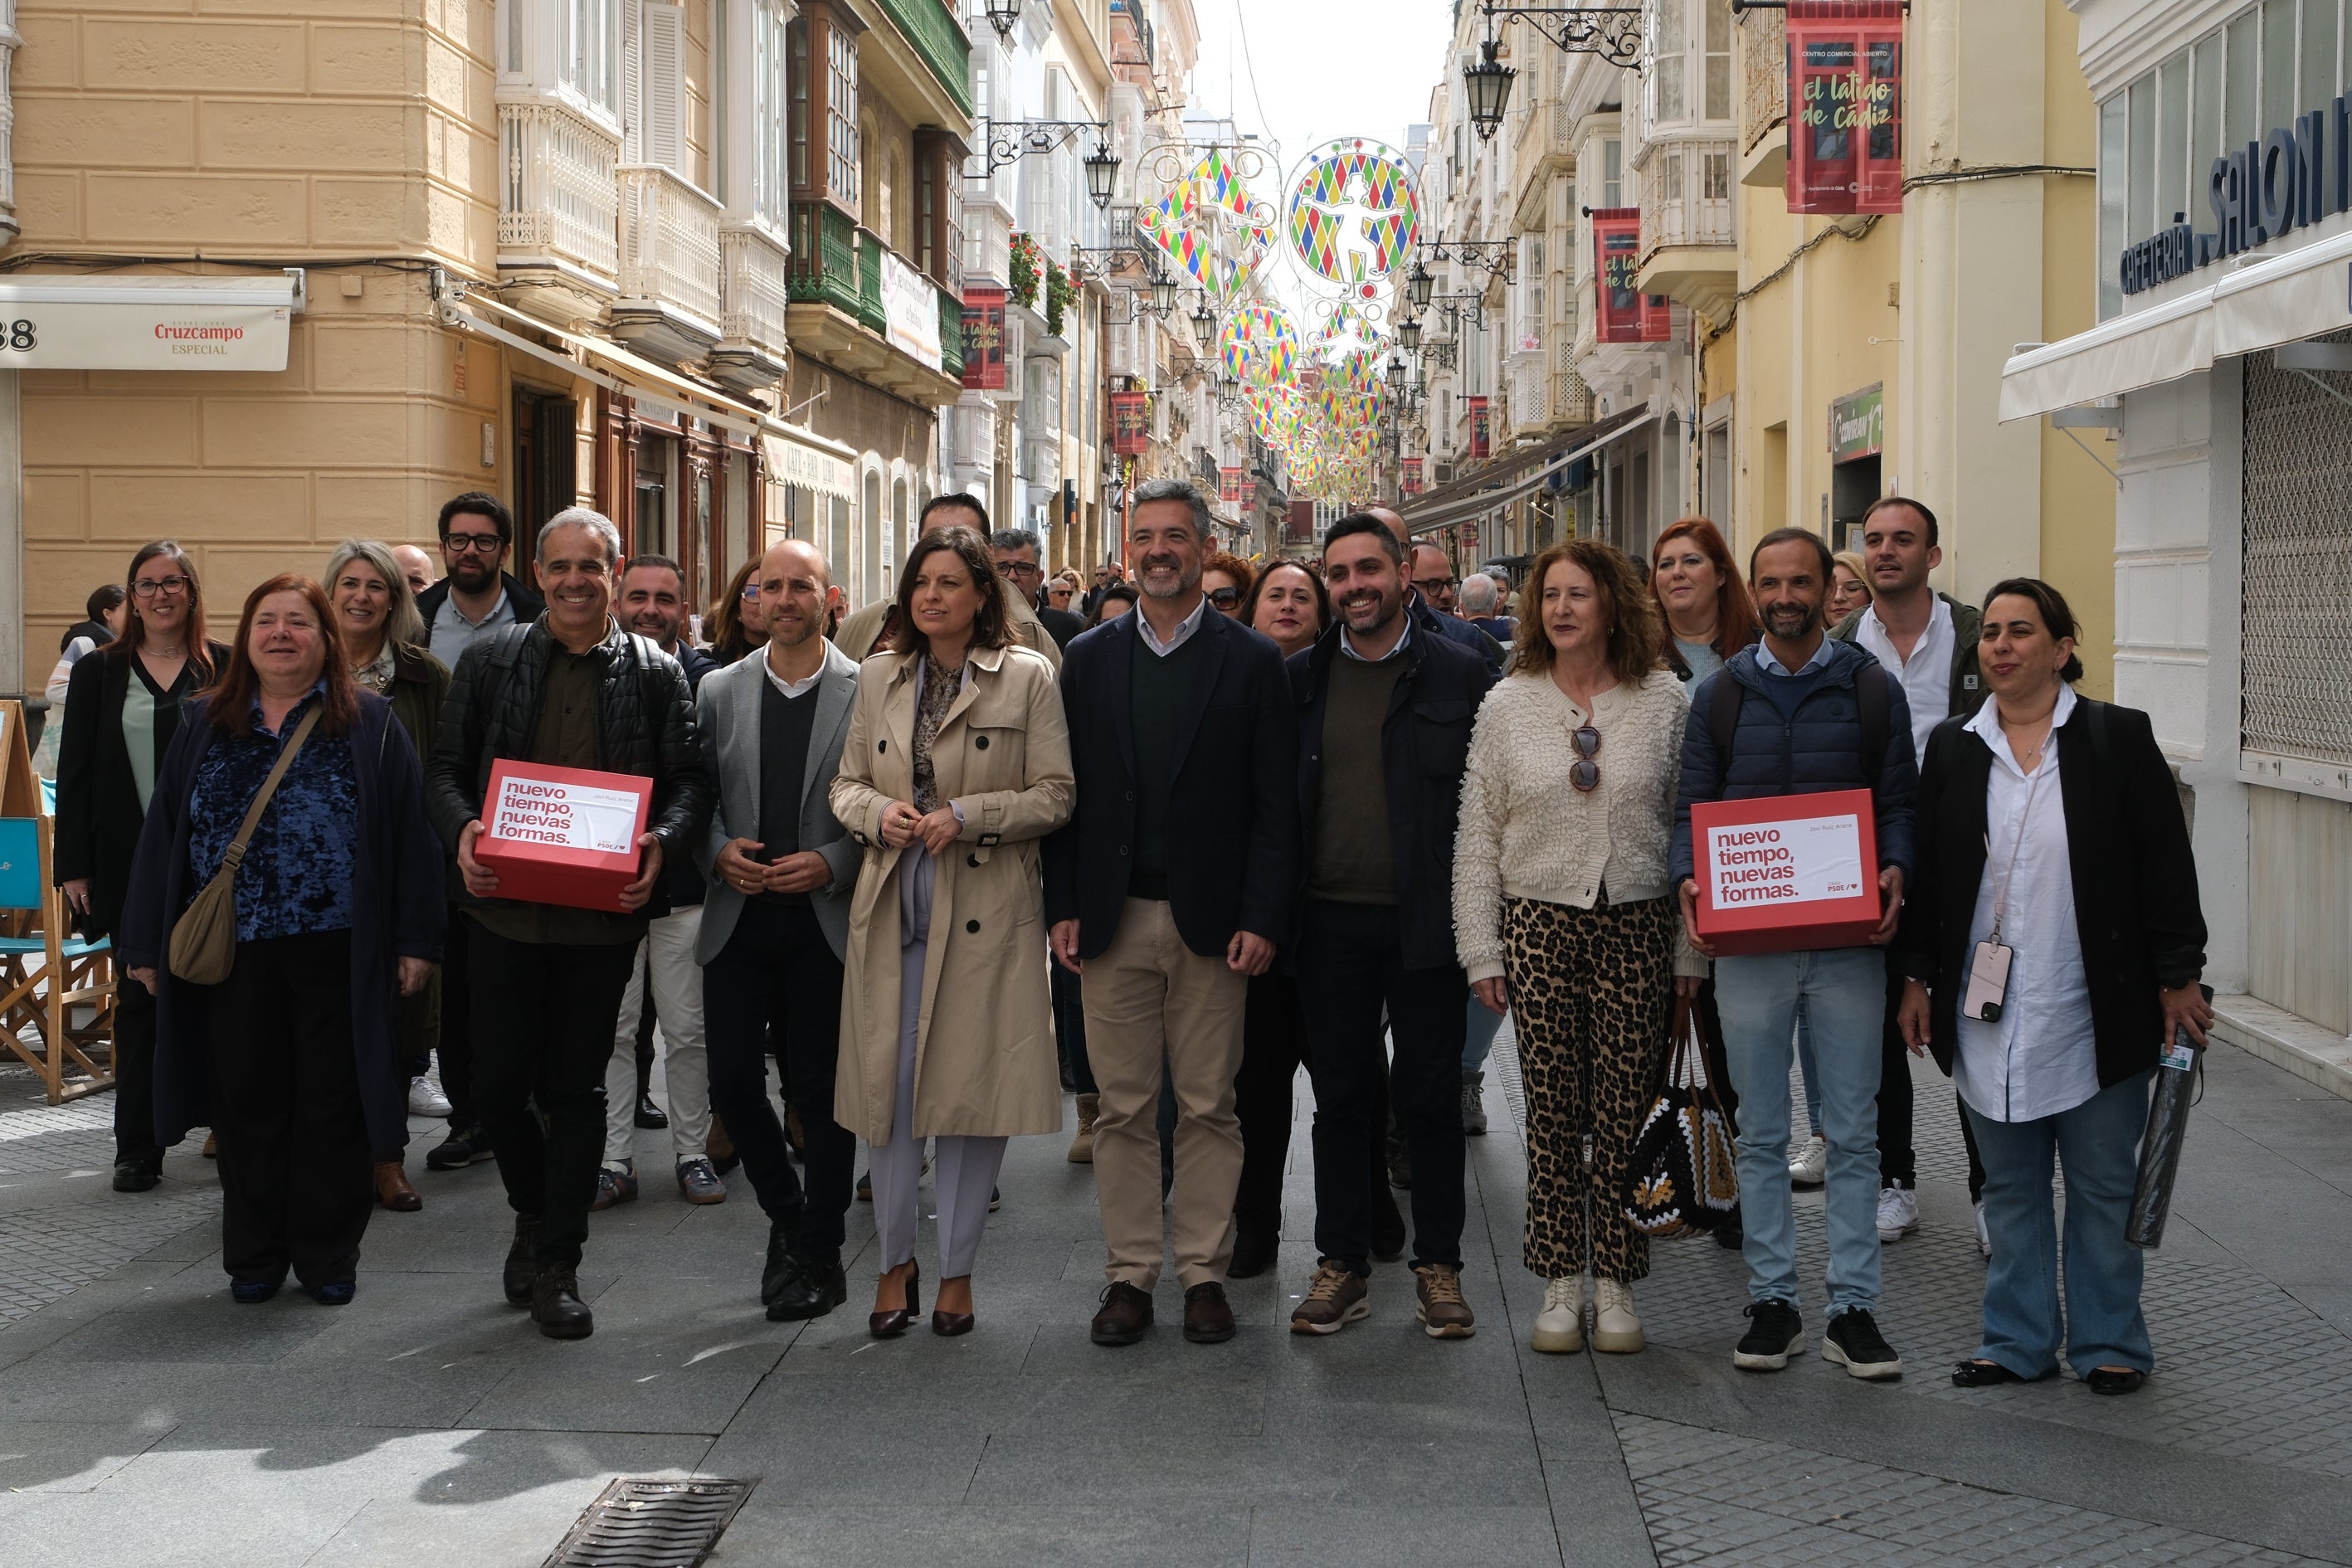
(1870, 699)
(1723, 724)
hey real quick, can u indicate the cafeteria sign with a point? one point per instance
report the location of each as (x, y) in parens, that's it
(146, 321)
(1858, 425)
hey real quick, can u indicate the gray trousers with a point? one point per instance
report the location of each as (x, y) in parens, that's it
(965, 1171)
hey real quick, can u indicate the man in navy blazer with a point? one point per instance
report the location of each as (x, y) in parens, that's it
(1168, 890)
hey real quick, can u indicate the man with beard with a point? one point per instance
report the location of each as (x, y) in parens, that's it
(781, 869)
(1167, 891)
(472, 602)
(653, 605)
(1438, 571)
(1929, 642)
(570, 689)
(1800, 713)
(1384, 718)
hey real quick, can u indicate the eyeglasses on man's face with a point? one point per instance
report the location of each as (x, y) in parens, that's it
(478, 543)
(1435, 585)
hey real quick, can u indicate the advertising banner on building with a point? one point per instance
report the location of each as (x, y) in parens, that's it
(102, 321)
(1130, 423)
(1858, 425)
(983, 338)
(911, 306)
(1232, 485)
(1481, 430)
(1412, 476)
(1621, 312)
(1845, 106)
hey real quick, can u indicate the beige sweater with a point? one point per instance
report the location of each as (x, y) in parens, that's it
(1527, 833)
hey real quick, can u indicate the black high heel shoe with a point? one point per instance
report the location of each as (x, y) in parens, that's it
(891, 1325)
(947, 1325)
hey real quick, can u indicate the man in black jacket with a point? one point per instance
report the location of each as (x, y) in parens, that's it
(1168, 890)
(570, 689)
(1384, 718)
(1428, 617)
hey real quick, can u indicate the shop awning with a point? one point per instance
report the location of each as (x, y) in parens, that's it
(801, 456)
(607, 364)
(2259, 305)
(1554, 458)
(126, 321)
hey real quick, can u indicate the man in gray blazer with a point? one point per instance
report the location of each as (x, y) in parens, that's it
(777, 918)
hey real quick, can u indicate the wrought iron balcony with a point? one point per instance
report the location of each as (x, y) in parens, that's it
(559, 204)
(669, 291)
(838, 317)
(1764, 75)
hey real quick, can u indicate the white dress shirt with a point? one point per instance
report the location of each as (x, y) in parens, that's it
(2040, 1056)
(1348, 643)
(1184, 629)
(790, 688)
(1927, 675)
(1769, 662)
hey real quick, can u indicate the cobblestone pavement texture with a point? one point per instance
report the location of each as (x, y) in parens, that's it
(145, 1418)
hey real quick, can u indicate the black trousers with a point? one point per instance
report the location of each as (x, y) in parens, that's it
(1070, 1033)
(544, 1016)
(296, 1187)
(134, 1074)
(777, 981)
(1274, 1048)
(1351, 962)
(457, 1021)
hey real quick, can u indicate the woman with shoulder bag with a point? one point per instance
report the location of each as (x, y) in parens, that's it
(287, 884)
(956, 767)
(1564, 911)
(124, 706)
(2053, 940)
(384, 642)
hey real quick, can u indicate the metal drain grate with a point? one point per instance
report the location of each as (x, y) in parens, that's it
(651, 1524)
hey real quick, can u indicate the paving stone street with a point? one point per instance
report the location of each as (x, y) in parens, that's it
(145, 1419)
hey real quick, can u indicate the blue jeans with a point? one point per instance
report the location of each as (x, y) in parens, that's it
(1812, 1073)
(1478, 1035)
(1842, 993)
(2098, 1141)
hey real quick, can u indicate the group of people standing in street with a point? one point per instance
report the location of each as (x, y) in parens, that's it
(1157, 843)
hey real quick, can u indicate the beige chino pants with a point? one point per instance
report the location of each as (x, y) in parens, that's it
(1149, 999)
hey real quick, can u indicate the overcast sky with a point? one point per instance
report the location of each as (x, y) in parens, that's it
(1323, 68)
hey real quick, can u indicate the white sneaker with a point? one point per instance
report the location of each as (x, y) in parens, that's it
(1615, 1328)
(1984, 1236)
(1810, 1165)
(1559, 1327)
(1898, 1212)
(426, 1098)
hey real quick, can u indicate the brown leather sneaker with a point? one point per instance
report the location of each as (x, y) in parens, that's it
(1335, 1298)
(1444, 1314)
(1208, 1319)
(1125, 1314)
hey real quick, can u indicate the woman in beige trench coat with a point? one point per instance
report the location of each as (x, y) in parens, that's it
(956, 767)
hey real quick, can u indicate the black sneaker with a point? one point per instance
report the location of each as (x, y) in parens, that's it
(1854, 1341)
(1775, 1332)
(463, 1147)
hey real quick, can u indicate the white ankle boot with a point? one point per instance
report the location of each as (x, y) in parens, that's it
(1615, 1328)
(1559, 1327)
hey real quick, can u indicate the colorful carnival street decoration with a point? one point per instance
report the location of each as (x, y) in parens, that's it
(1207, 221)
(1259, 345)
(1353, 215)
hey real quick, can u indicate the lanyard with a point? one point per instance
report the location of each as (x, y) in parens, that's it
(2024, 820)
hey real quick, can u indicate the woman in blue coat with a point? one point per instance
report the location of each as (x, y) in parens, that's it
(339, 904)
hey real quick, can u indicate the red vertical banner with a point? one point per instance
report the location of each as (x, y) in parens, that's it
(1130, 424)
(983, 338)
(1412, 476)
(1621, 312)
(1230, 485)
(1301, 530)
(1481, 430)
(1845, 106)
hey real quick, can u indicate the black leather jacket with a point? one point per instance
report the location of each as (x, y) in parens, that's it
(645, 725)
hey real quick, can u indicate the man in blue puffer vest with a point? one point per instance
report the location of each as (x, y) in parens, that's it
(1800, 713)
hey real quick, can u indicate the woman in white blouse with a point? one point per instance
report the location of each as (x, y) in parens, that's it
(2050, 841)
(1563, 912)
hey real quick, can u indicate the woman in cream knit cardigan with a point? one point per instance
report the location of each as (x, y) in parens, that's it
(1564, 911)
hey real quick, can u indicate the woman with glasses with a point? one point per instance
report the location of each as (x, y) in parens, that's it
(1226, 583)
(1564, 911)
(736, 624)
(122, 707)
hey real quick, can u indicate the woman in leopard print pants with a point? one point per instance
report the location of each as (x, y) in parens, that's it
(1563, 912)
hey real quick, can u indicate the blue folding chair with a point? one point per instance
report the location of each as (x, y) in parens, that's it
(46, 970)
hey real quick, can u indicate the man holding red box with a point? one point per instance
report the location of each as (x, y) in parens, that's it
(570, 691)
(1803, 715)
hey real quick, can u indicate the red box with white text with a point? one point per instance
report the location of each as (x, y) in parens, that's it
(1785, 873)
(563, 836)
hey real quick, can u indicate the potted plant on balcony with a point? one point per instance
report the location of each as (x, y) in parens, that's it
(1061, 294)
(1021, 272)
